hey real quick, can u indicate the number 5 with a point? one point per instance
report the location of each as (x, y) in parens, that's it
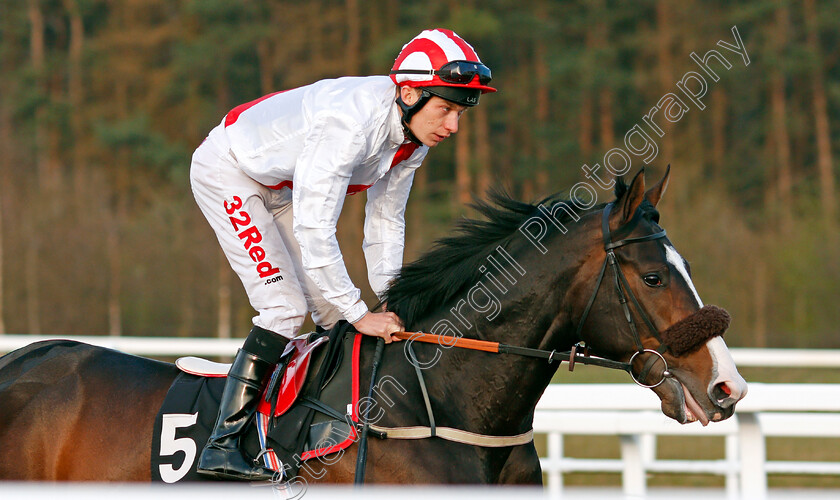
(169, 445)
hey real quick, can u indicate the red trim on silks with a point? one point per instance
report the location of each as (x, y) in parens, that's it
(233, 115)
(354, 415)
(402, 154)
(283, 184)
(405, 151)
(351, 189)
(357, 188)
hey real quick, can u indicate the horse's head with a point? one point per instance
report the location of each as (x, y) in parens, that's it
(636, 303)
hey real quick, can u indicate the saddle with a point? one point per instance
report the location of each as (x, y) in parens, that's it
(308, 410)
(282, 396)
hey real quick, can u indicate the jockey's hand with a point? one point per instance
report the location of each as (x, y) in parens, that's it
(382, 324)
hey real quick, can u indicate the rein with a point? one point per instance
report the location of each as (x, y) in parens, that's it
(572, 357)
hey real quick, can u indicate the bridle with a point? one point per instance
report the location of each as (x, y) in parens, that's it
(623, 289)
(575, 355)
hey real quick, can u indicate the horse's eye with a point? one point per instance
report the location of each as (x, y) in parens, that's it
(652, 280)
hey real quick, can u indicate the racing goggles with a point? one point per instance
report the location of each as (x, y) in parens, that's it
(457, 72)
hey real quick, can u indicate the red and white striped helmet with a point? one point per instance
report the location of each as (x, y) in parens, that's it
(440, 58)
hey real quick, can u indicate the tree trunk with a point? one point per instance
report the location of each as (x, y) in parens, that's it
(760, 304)
(821, 121)
(585, 126)
(664, 36)
(5, 145)
(417, 214)
(542, 105)
(606, 95)
(116, 216)
(36, 53)
(33, 306)
(463, 176)
(606, 102)
(586, 132)
(523, 146)
(46, 166)
(354, 38)
(223, 330)
(6, 160)
(719, 108)
(781, 138)
(75, 97)
(187, 235)
(2, 188)
(265, 59)
(481, 131)
(112, 248)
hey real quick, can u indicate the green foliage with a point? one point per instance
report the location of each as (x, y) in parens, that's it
(119, 121)
(147, 149)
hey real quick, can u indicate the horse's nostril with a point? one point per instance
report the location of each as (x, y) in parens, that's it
(722, 394)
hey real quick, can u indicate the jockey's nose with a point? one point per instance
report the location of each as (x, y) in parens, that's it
(451, 122)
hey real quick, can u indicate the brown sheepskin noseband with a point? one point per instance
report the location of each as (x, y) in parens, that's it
(691, 332)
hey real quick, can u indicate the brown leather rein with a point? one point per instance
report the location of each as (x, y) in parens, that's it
(572, 356)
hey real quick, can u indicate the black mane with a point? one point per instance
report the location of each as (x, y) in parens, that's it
(452, 264)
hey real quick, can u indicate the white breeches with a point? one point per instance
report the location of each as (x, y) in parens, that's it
(254, 226)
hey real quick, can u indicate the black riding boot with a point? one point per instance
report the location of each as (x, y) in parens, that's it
(222, 456)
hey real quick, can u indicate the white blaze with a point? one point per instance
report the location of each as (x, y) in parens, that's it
(678, 262)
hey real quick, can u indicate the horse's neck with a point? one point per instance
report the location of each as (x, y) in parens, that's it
(521, 299)
(494, 393)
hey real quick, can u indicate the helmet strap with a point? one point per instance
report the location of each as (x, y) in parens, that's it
(409, 111)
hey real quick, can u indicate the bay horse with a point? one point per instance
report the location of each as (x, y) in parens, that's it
(542, 276)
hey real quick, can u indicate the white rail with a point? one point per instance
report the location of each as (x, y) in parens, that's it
(632, 413)
(146, 346)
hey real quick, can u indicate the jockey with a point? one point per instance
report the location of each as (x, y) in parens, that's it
(271, 180)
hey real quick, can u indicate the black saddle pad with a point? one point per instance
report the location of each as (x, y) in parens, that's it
(188, 413)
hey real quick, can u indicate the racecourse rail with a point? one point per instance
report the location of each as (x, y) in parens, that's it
(631, 413)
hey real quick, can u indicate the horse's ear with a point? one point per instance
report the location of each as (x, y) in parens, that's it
(634, 196)
(655, 193)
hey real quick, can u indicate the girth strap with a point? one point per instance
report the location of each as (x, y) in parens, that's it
(318, 405)
(422, 381)
(456, 435)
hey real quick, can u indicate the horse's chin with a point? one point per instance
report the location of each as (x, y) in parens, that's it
(679, 403)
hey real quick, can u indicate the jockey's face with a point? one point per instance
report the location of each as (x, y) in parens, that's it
(435, 121)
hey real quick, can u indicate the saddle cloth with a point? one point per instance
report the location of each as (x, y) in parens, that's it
(314, 415)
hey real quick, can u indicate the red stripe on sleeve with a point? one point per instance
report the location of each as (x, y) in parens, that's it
(233, 115)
